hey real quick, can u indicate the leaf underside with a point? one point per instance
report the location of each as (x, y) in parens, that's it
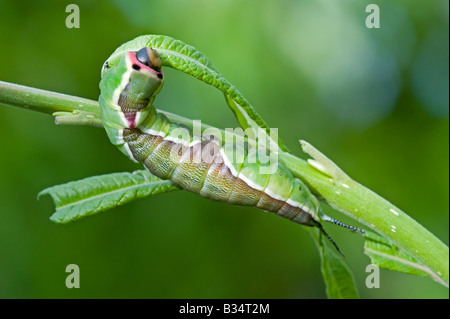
(92, 195)
(385, 254)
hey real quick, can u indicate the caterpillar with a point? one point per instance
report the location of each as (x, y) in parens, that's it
(128, 89)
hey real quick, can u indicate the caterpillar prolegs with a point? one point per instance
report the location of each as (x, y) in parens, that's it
(132, 123)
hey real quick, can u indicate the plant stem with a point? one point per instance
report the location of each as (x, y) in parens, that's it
(50, 102)
(324, 178)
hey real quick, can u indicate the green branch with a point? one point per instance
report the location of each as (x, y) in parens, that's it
(67, 109)
(325, 179)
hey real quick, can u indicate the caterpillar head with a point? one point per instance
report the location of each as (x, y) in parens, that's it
(143, 78)
(130, 82)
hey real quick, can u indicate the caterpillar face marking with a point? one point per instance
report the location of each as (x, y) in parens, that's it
(150, 58)
(128, 89)
(146, 60)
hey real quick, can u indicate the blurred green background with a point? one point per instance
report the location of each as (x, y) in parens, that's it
(374, 100)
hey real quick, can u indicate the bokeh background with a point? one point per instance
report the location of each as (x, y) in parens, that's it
(374, 100)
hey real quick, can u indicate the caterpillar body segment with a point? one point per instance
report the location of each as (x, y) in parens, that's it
(216, 179)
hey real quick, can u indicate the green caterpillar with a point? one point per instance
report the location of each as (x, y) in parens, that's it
(128, 89)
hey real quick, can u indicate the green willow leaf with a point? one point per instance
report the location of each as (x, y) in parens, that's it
(183, 57)
(95, 194)
(385, 254)
(338, 278)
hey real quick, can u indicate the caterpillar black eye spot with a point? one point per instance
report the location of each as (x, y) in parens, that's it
(149, 57)
(160, 76)
(142, 56)
(281, 173)
(300, 189)
(136, 67)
